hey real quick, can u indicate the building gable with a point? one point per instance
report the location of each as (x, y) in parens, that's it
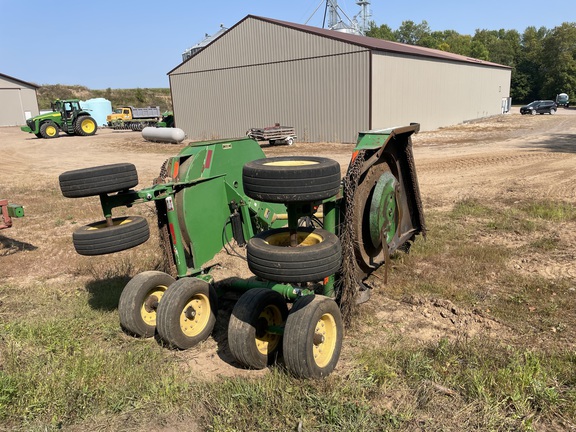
(256, 41)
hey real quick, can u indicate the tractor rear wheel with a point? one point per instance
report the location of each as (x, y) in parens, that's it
(85, 126)
(250, 341)
(287, 179)
(98, 180)
(139, 301)
(49, 130)
(100, 239)
(187, 313)
(313, 337)
(317, 255)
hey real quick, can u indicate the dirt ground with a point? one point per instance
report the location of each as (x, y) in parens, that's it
(510, 155)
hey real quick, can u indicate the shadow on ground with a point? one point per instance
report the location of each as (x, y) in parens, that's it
(105, 293)
(560, 143)
(11, 246)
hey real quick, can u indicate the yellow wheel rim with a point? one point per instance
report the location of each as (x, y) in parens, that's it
(283, 239)
(51, 131)
(103, 224)
(325, 337)
(88, 126)
(148, 308)
(195, 315)
(288, 163)
(268, 342)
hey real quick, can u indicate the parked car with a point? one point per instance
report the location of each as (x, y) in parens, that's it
(539, 107)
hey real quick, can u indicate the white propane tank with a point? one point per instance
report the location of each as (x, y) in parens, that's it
(167, 135)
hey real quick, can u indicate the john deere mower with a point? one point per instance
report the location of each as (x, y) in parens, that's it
(311, 239)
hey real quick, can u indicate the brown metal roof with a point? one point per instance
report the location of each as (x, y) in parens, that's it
(379, 44)
(366, 42)
(19, 80)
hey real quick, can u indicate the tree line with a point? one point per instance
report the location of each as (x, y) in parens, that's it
(543, 61)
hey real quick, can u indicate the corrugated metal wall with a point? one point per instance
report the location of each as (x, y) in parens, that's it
(16, 100)
(432, 92)
(259, 74)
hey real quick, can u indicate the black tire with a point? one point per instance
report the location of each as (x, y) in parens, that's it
(313, 337)
(38, 135)
(187, 313)
(85, 126)
(248, 338)
(272, 142)
(98, 180)
(49, 130)
(139, 301)
(100, 239)
(287, 179)
(317, 256)
(552, 111)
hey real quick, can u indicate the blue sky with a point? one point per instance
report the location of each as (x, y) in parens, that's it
(129, 44)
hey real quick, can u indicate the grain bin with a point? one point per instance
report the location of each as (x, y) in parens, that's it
(99, 108)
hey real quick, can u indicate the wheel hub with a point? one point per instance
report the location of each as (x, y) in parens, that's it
(261, 326)
(382, 219)
(375, 218)
(324, 340)
(151, 303)
(190, 313)
(195, 315)
(318, 339)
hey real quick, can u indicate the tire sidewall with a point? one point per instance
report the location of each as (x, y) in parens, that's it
(98, 180)
(298, 343)
(172, 306)
(99, 239)
(134, 296)
(284, 179)
(294, 264)
(244, 315)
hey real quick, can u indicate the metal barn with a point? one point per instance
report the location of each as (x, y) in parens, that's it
(328, 85)
(19, 101)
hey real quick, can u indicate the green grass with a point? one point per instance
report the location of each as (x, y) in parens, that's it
(64, 363)
(63, 369)
(510, 388)
(550, 211)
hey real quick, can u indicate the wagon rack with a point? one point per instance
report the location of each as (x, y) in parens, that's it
(274, 134)
(305, 276)
(9, 211)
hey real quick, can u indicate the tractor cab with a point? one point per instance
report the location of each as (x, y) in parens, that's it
(69, 109)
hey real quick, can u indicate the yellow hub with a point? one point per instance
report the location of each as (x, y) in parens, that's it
(325, 337)
(268, 342)
(195, 315)
(148, 308)
(51, 131)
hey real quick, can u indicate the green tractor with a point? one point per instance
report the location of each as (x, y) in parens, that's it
(67, 116)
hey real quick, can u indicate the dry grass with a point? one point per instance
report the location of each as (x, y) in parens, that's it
(473, 332)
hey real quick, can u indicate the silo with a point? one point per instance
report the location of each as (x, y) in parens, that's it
(98, 108)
